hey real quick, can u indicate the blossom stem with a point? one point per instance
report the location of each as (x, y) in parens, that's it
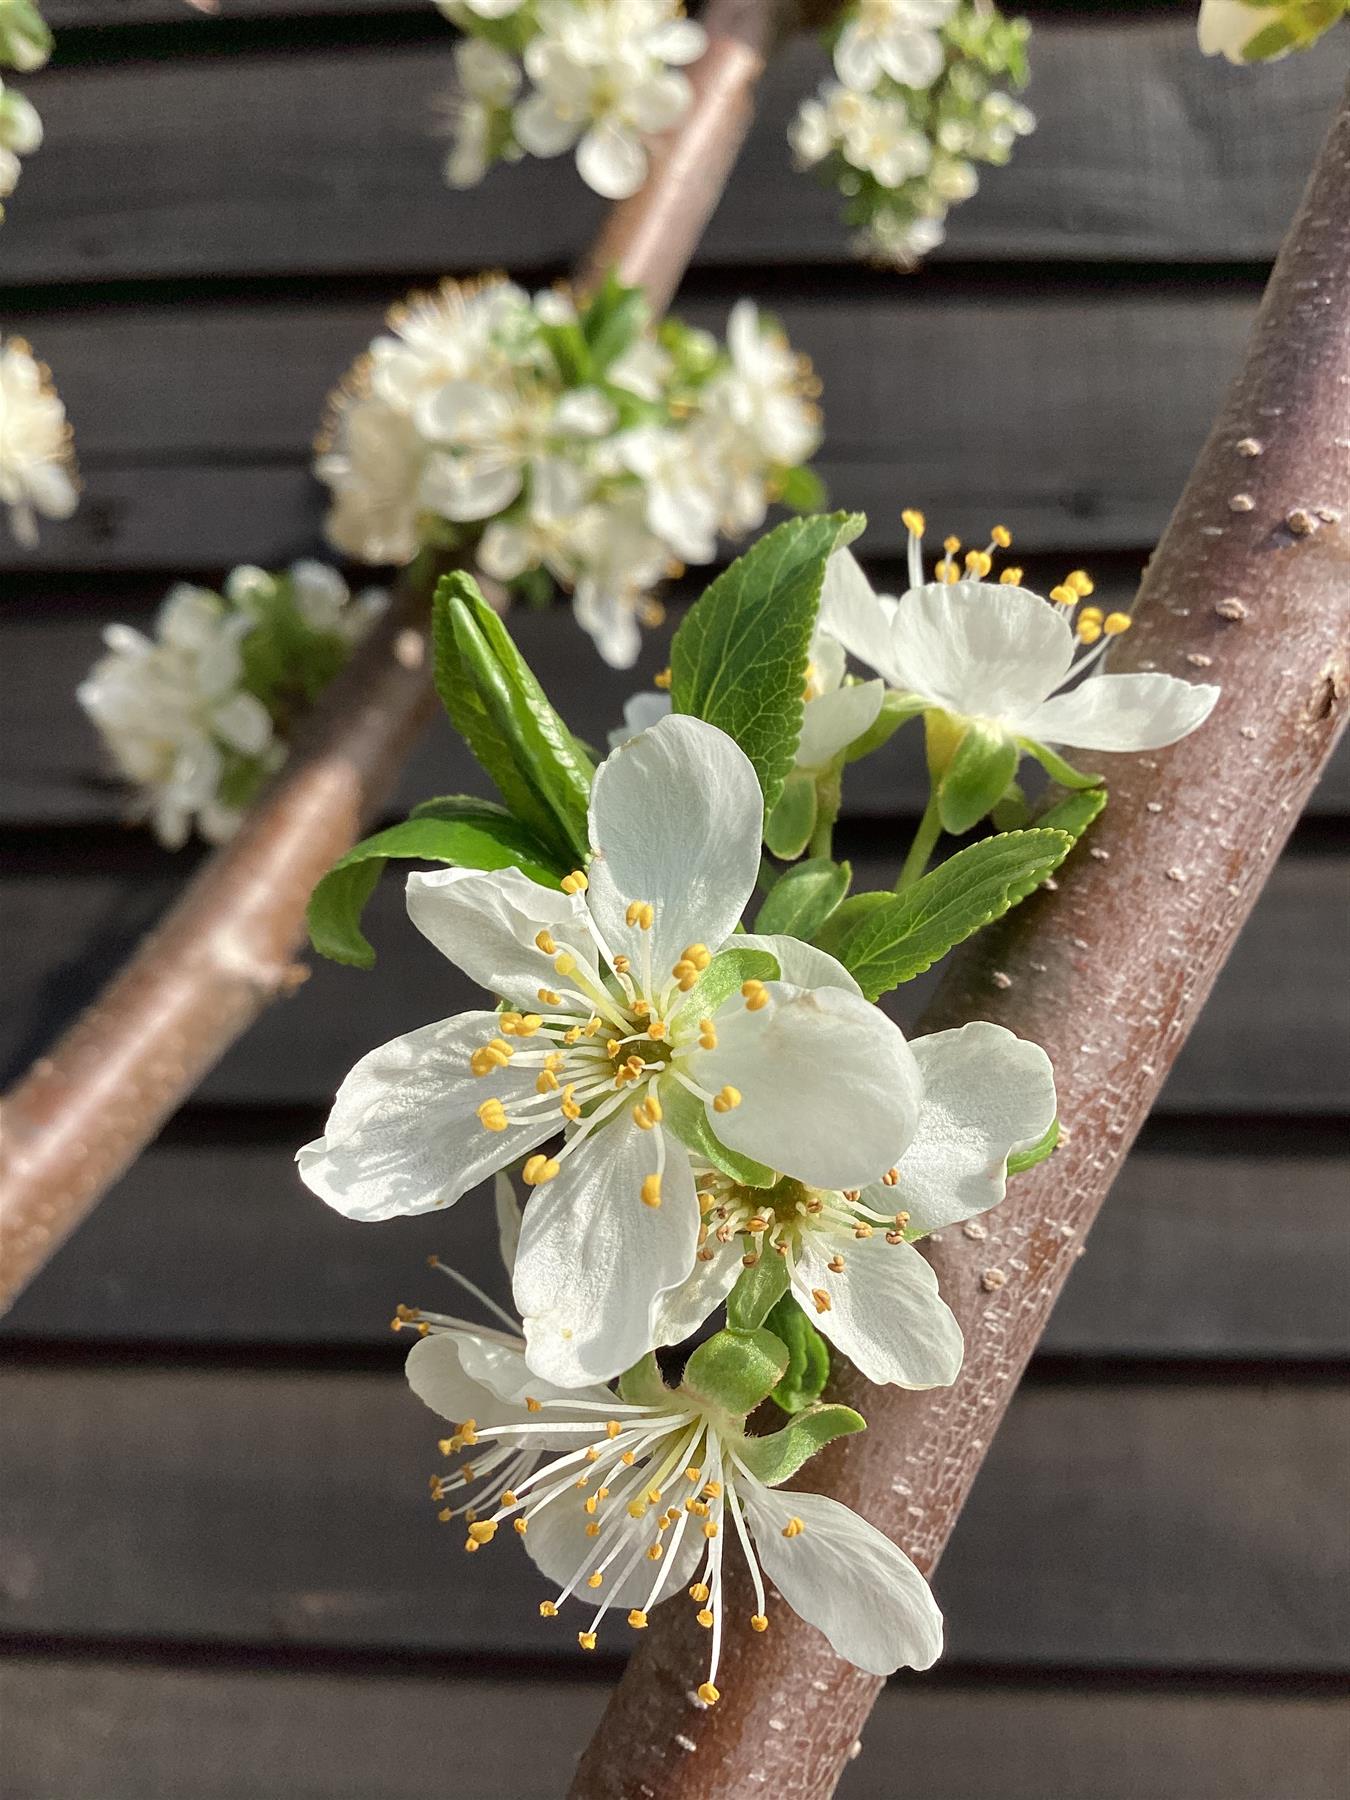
(921, 850)
(829, 798)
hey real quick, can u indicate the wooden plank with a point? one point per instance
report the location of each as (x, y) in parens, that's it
(1072, 415)
(1158, 1526)
(328, 161)
(155, 1731)
(53, 773)
(1211, 1247)
(1272, 1040)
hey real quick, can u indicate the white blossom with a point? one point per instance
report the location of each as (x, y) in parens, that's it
(37, 463)
(610, 1037)
(489, 81)
(621, 1503)
(1226, 27)
(372, 458)
(25, 41)
(895, 38)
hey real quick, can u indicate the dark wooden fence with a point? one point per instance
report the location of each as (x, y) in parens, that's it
(219, 1577)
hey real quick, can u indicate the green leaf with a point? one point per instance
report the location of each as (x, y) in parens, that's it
(739, 657)
(613, 320)
(801, 490)
(1075, 813)
(896, 710)
(1022, 1160)
(884, 941)
(976, 777)
(1056, 767)
(735, 1370)
(808, 1367)
(789, 823)
(801, 900)
(643, 1384)
(757, 1289)
(723, 977)
(687, 1117)
(472, 834)
(777, 1457)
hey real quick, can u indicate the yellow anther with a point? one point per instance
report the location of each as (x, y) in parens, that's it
(593, 1025)
(710, 1529)
(1063, 596)
(444, 1515)
(654, 1495)
(593, 1530)
(545, 941)
(755, 994)
(640, 1117)
(575, 883)
(651, 1191)
(586, 1639)
(508, 1498)
(483, 1531)
(531, 1404)
(492, 1115)
(596, 1580)
(521, 1526)
(638, 1619)
(913, 521)
(693, 1473)
(568, 1106)
(637, 1509)
(685, 976)
(822, 1300)
(656, 1030)
(708, 1694)
(698, 1592)
(546, 1082)
(612, 1428)
(1010, 577)
(978, 563)
(564, 963)
(547, 1610)
(1090, 615)
(1001, 536)
(655, 1553)
(947, 572)
(468, 1432)
(707, 1035)
(891, 1178)
(793, 1528)
(590, 1503)
(549, 997)
(704, 1618)
(529, 1025)
(661, 679)
(612, 1047)
(1114, 623)
(622, 965)
(509, 1022)
(729, 1098)
(698, 954)
(758, 1622)
(1089, 633)
(1080, 581)
(640, 913)
(951, 545)
(539, 1169)
(836, 1265)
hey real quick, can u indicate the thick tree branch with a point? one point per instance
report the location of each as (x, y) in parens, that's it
(84, 1111)
(1249, 587)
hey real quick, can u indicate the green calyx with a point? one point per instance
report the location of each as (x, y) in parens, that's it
(734, 1371)
(777, 1457)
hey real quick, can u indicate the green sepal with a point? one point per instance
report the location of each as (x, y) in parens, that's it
(739, 658)
(644, 1384)
(735, 1370)
(687, 1116)
(1075, 812)
(896, 710)
(1056, 767)
(724, 976)
(758, 1289)
(792, 818)
(808, 1366)
(885, 939)
(1012, 812)
(976, 778)
(777, 1457)
(614, 318)
(1022, 1160)
(457, 829)
(801, 900)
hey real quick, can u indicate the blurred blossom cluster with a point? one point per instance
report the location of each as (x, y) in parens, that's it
(565, 444)
(1251, 31)
(541, 77)
(25, 44)
(37, 463)
(196, 715)
(914, 108)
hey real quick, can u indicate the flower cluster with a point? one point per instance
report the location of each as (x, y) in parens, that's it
(37, 461)
(1250, 31)
(546, 76)
(913, 109)
(566, 445)
(707, 1119)
(25, 44)
(196, 715)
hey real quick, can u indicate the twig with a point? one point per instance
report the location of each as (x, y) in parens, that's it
(1249, 587)
(84, 1111)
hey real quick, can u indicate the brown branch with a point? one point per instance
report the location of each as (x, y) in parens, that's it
(226, 949)
(1250, 587)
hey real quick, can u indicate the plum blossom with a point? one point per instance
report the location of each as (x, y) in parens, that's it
(628, 1030)
(37, 463)
(622, 1501)
(895, 38)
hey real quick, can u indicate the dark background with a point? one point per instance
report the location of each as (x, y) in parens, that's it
(219, 1575)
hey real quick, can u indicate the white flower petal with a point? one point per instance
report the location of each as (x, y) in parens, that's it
(1122, 712)
(678, 1313)
(676, 820)
(612, 161)
(593, 1258)
(846, 1578)
(543, 128)
(799, 964)
(559, 1547)
(243, 723)
(640, 713)
(980, 649)
(508, 1208)
(859, 618)
(830, 1090)
(986, 1093)
(830, 722)
(481, 1375)
(485, 921)
(885, 1312)
(404, 1137)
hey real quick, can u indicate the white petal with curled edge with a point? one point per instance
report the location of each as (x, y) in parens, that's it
(800, 965)
(829, 1088)
(846, 1578)
(980, 649)
(986, 1093)
(885, 1312)
(676, 820)
(640, 712)
(1122, 712)
(832, 721)
(404, 1136)
(593, 1258)
(678, 1313)
(485, 921)
(860, 618)
(508, 1219)
(559, 1547)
